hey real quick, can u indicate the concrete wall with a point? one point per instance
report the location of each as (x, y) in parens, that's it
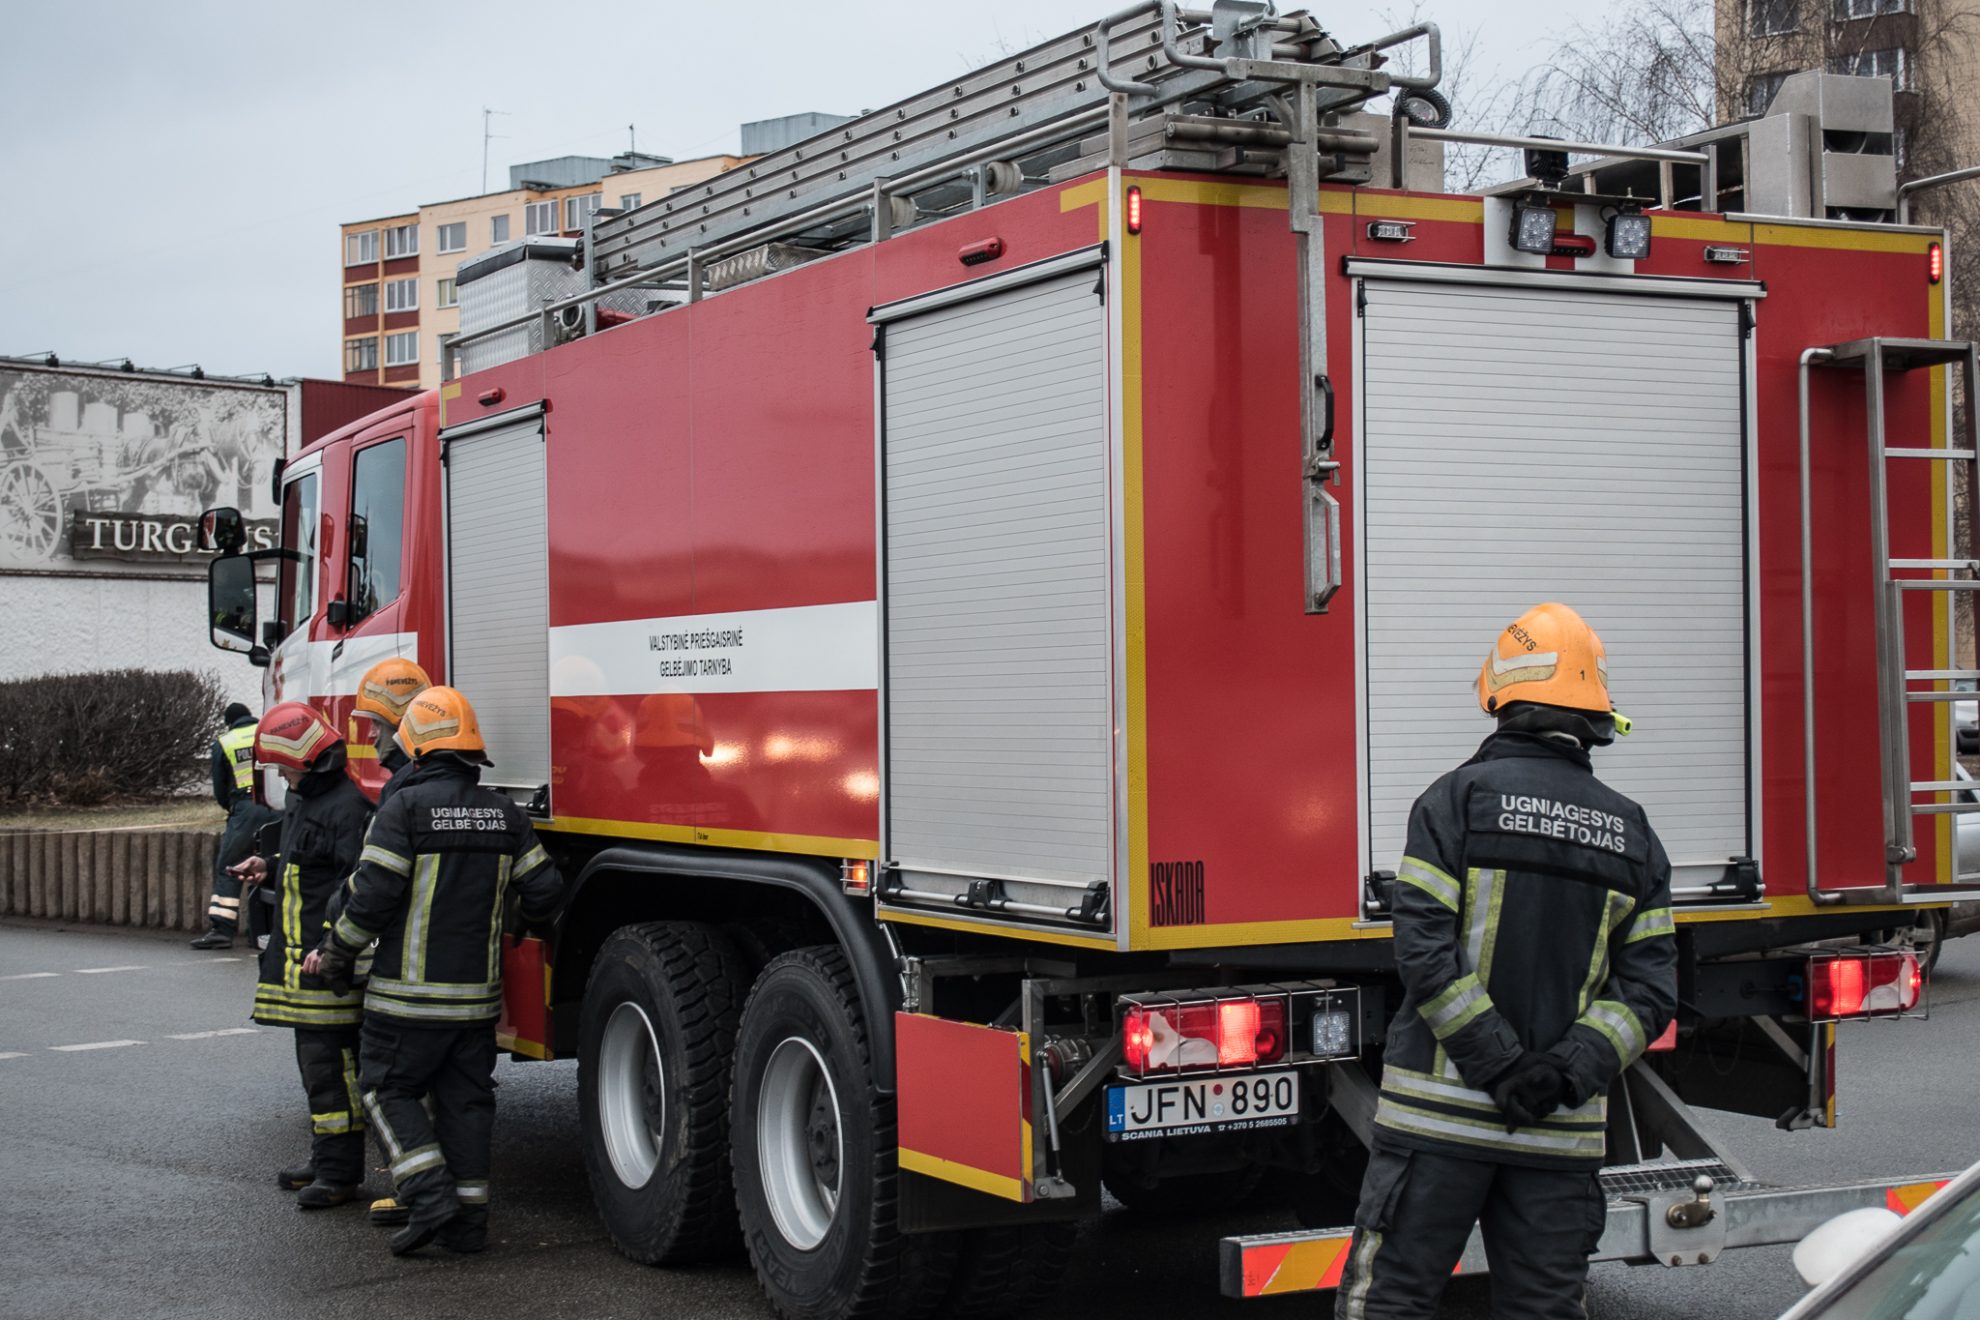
(74, 624)
(157, 878)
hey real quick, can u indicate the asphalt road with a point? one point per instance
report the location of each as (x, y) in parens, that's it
(136, 1176)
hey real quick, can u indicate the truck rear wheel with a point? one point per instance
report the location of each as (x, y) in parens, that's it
(660, 1016)
(813, 1145)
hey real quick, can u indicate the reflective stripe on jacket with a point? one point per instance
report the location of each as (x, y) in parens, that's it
(1532, 912)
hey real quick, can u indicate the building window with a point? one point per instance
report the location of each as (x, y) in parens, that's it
(1770, 18)
(402, 295)
(401, 241)
(627, 201)
(1888, 63)
(540, 218)
(453, 238)
(361, 354)
(402, 349)
(577, 208)
(378, 516)
(1848, 9)
(449, 296)
(1761, 91)
(361, 248)
(498, 229)
(360, 300)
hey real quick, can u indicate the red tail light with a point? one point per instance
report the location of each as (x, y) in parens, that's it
(1859, 985)
(1134, 210)
(1935, 263)
(1164, 1035)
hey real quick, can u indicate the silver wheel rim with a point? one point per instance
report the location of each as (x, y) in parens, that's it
(798, 1143)
(632, 1105)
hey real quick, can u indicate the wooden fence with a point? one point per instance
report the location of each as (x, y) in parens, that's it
(108, 877)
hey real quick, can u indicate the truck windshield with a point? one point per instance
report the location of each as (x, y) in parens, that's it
(295, 592)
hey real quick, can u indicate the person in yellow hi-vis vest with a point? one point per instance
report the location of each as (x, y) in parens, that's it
(233, 789)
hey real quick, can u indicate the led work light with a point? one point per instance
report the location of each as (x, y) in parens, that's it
(1533, 228)
(1629, 236)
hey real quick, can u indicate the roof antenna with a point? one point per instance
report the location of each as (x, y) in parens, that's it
(487, 125)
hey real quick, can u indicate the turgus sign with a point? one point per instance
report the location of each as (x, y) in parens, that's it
(139, 538)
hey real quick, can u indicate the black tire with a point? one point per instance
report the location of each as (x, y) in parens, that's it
(801, 1029)
(1185, 1194)
(682, 986)
(1008, 1273)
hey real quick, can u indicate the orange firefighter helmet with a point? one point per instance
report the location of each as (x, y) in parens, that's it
(1548, 655)
(386, 688)
(441, 720)
(294, 734)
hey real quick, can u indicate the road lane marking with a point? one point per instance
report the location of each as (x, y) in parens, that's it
(28, 976)
(95, 971)
(208, 1035)
(96, 1045)
(13, 1054)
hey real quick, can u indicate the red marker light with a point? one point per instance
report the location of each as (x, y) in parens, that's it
(1137, 1038)
(1134, 210)
(1935, 263)
(1863, 985)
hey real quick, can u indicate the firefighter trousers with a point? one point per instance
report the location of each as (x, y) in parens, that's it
(328, 1061)
(1417, 1211)
(223, 906)
(430, 1092)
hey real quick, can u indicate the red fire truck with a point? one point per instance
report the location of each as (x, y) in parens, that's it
(970, 599)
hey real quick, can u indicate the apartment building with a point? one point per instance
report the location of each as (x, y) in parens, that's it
(400, 301)
(1927, 48)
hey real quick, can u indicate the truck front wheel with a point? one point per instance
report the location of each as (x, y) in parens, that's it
(814, 1153)
(661, 1011)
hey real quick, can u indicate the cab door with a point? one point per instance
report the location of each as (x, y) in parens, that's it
(365, 616)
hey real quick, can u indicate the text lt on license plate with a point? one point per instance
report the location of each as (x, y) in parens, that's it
(1227, 1103)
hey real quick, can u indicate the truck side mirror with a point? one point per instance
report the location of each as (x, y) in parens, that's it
(222, 530)
(230, 604)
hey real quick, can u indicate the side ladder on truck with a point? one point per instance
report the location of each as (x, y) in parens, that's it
(1898, 686)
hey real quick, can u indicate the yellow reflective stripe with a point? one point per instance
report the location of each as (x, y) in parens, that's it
(1440, 886)
(419, 919)
(415, 1161)
(386, 858)
(495, 920)
(531, 860)
(329, 1125)
(436, 989)
(1456, 1007)
(1491, 1134)
(1413, 1085)
(1363, 1266)
(394, 1007)
(351, 1094)
(350, 934)
(1651, 924)
(389, 1138)
(472, 1193)
(292, 926)
(1619, 1026)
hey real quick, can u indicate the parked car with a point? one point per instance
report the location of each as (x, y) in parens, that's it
(1872, 1265)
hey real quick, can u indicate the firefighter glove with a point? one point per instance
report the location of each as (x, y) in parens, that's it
(1530, 1090)
(334, 965)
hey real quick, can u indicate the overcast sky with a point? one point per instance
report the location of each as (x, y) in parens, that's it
(179, 169)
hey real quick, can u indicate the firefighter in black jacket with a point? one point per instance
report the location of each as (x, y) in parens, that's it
(232, 759)
(430, 889)
(323, 827)
(1534, 937)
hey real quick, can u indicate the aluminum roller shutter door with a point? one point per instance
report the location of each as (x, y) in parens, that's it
(999, 728)
(498, 592)
(1529, 445)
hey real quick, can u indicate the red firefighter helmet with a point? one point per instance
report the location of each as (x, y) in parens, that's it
(294, 734)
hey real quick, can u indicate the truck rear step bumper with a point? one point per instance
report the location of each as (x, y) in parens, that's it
(1646, 1202)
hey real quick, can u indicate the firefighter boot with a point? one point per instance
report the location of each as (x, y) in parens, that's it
(295, 1179)
(321, 1195)
(214, 939)
(420, 1232)
(390, 1212)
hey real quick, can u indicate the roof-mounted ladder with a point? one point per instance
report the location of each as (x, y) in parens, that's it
(1895, 682)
